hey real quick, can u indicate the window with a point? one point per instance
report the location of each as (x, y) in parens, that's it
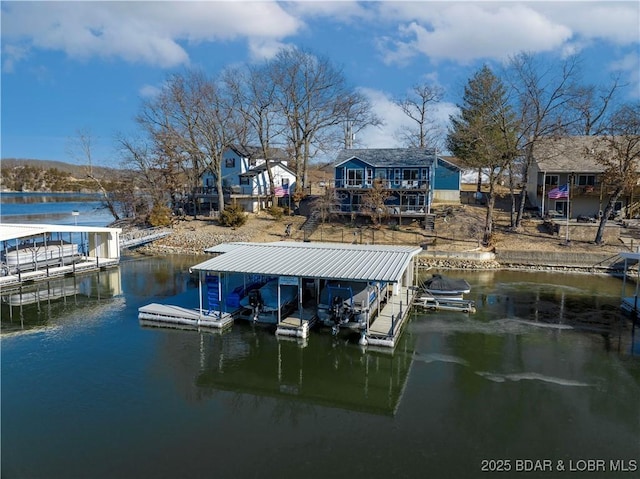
(586, 180)
(244, 180)
(410, 177)
(369, 177)
(396, 176)
(230, 163)
(355, 177)
(552, 180)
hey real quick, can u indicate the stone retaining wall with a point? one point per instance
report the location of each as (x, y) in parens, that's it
(540, 260)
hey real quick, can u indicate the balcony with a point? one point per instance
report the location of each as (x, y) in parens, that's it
(387, 184)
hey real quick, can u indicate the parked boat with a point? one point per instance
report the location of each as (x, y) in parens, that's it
(30, 255)
(349, 303)
(265, 304)
(443, 286)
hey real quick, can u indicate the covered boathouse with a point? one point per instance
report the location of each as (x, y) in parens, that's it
(299, 272)
(38, 252)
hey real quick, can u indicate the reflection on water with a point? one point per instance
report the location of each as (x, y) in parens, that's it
(508, 382)
(47, 304)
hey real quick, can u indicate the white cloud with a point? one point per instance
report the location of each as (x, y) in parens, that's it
(149, 32)
(149, 91)
(465, 32)
(394, 119)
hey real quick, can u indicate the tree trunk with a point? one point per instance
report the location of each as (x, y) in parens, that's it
(605, 216)
(488, 223)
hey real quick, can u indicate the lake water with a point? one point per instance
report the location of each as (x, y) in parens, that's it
(53, 208)
(547, 370)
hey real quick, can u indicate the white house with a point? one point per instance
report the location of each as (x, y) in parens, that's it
(245, 178)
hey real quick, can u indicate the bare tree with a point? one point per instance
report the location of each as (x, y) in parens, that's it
(374, 202)
(191, 123)
(81, 149)
(543, 95)
(588, 110)
(619, 152)
(254, 97)
(315, 101)
(419, 106)
(324, 205)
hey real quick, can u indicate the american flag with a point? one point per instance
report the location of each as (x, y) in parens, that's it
(559, 192)
(281, 191)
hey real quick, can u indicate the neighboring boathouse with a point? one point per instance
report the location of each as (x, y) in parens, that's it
(36, 252)
(304, 282)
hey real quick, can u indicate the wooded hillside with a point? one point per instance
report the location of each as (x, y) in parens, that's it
(50, 176)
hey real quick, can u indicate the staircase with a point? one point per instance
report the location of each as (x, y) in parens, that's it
(310, 225)
(430, 222)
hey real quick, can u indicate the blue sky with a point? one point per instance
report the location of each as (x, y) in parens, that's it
(68, 66)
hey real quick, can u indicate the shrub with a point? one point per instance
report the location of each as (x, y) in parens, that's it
(232, 216)
(276, 211)
(160, 215)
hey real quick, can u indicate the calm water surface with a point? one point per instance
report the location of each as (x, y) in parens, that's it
(53, 208)
(546, 370)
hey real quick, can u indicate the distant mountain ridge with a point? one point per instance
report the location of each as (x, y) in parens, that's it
(78, 171)
(18, 174)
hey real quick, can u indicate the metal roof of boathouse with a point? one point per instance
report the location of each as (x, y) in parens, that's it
(312, 260)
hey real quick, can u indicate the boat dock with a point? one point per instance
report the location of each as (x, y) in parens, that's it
(39, 252)
(287, 278)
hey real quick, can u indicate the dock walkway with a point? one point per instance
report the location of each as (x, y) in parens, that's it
(89, 264)
(387, 326)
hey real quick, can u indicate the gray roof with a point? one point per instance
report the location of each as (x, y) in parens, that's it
(249, 151)
(11, 231)
(575, 154)
(314, 260)
(390, 157)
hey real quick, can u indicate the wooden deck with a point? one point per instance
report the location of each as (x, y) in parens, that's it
(386, 327)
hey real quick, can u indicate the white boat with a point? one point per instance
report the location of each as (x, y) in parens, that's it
(265, 305)
(445, 287)
(34, 255)
(349, 303)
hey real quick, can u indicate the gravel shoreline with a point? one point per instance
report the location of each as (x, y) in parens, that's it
(194, 236)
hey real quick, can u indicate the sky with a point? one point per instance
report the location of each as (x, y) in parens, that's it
(87, 66)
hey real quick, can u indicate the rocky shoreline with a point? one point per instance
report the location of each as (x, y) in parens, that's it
(193, 237)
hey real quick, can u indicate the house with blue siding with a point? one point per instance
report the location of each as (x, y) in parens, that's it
(412, 179)
(245, 178)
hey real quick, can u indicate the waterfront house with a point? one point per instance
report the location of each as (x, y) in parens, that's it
(245, 178)
(412, 179)
(570, 164)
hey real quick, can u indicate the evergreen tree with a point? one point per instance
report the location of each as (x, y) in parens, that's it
(483, 134)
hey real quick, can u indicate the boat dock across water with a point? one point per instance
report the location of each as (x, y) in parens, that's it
(38, 252)
(281, 284)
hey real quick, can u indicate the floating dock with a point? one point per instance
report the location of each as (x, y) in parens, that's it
(162, 314)
(631, 304)
(295, 326)
(436, 303)
(387, 325)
